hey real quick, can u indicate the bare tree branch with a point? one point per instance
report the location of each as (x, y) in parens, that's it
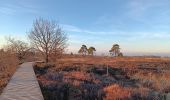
(48, 38)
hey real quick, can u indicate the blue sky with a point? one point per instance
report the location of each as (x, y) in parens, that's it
(141, 27)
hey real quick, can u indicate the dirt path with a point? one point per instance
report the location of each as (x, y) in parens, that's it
(23, 85)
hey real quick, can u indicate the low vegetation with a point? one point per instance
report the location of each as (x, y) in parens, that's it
(80, 78)
(8, 65)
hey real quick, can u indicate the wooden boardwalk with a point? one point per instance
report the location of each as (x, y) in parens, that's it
(23, 85)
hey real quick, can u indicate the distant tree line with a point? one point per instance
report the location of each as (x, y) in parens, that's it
(84, 50)
(49, 39)
(114, 51)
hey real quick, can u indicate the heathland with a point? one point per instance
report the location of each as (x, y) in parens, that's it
(75, 77)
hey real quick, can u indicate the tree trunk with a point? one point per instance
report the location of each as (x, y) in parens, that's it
(46, 57)
(46, 60)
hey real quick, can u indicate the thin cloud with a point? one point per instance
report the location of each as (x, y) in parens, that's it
(18, 7)
(7, 10)
(141, 8)
(72, 28)
(127, 35)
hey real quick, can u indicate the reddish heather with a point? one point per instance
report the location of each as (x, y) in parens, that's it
(86, 78)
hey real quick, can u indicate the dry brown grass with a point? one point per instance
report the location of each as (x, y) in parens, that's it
(8, 65)
(156, 81)
(77, 59)
(130, 78)
(116, 92)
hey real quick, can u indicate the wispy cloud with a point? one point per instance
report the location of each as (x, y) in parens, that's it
(6, 10)
(143, 8)
(138, 8)
(18, 6)
(72, 28)
(127, 35)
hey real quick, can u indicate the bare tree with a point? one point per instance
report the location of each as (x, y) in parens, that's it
(18, 47)
(48, 38)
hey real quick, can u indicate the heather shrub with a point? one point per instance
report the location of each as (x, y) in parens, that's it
(116, 92)
(160, 83)
(129, 81)
(42, 68)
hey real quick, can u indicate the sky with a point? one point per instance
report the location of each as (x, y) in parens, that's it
(140, 27)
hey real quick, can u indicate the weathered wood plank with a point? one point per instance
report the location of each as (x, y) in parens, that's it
(23, 85)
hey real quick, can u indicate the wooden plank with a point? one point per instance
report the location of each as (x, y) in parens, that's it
(23, 85)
